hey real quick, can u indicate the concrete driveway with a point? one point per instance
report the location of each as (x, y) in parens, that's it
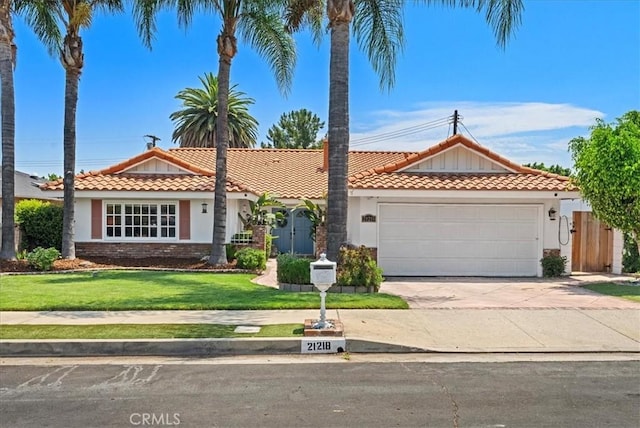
(485, 293)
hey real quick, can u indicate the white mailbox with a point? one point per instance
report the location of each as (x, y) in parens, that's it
(323, 273)
(323, 276)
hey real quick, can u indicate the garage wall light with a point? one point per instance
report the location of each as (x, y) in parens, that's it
(552, 213)
(204, 208)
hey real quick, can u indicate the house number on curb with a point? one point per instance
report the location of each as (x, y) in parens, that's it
(323, 345)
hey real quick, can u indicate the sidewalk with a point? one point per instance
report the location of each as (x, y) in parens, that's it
(417, 330)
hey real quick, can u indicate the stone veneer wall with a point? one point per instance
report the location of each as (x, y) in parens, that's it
(551, 252)
(140, 250)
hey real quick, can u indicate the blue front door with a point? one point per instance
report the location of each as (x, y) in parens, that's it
(294, 234)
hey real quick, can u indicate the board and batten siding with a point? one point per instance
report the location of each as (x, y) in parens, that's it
(457, 160)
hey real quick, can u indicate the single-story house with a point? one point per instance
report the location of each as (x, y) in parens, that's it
(27, 186)
(455, 209)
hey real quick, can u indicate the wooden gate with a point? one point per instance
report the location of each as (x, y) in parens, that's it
(592, 247)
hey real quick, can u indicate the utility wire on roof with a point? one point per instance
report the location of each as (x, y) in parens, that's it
(469, 132)
(386, 136)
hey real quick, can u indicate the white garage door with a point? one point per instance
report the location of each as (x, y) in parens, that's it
(459, 240)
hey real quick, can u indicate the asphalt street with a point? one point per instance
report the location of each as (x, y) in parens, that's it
(339, 393)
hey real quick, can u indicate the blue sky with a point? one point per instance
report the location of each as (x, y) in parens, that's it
(569, 63)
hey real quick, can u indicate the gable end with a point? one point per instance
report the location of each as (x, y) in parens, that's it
(456, 159)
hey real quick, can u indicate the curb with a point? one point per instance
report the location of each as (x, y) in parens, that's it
(226, 347)
(179, 347)
(148, 347)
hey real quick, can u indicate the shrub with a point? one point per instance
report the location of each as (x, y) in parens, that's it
(293, 269)
(41, 224)
(630, 256)
(553, 265)
(268, 244)
(231, 251)
(357, 267)
(251, 258)
(42, 259)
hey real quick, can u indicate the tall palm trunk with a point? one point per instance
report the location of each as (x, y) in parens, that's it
(7, 56)
(72, 60)
(340, 13)
(227, 48)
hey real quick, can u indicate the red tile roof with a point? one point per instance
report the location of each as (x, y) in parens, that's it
(389, 176)
(440, 181)
(146, 183)
(286, 173)
(294, 174)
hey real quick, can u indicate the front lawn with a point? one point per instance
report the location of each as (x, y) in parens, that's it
(143, 331)
(629, 292)
(120, 290)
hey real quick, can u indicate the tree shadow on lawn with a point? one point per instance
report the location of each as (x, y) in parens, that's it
(153, 290)
(170, 278)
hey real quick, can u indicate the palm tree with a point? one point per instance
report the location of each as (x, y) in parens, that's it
(377, 27)
(36, 15)
(260, 24)
(70, 17)
(7, 62)
(196, 122)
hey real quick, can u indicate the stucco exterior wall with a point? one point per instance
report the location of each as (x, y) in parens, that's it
(618, 248)
(201, 223)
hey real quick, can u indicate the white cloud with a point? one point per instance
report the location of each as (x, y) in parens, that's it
(523, 132)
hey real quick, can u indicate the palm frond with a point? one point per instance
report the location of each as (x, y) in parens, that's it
(264, 30)
(41, 17)
(378, 29)
(306, 14)
(144, 15)
(504, 16)
(109, 6)
(196, 122)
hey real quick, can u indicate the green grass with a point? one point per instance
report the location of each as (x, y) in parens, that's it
(143, 331)
(629, 292)
(120, 290)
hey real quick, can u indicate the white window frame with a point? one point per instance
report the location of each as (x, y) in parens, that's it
(142, 220)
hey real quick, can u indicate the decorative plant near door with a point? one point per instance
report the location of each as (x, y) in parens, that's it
(258, 214)
(315, 213)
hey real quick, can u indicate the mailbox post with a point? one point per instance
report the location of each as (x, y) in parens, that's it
(323, 276)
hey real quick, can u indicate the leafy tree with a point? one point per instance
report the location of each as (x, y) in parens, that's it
(52, 177)
(555, 169)
(607, 171)
(196, 122)
(297, 129)
(69, 17)
(41, 23)
(377, 27)
(260, 24)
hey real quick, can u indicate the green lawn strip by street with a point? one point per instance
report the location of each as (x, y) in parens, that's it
(120, 290)
(143, 331)
(630, 292)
